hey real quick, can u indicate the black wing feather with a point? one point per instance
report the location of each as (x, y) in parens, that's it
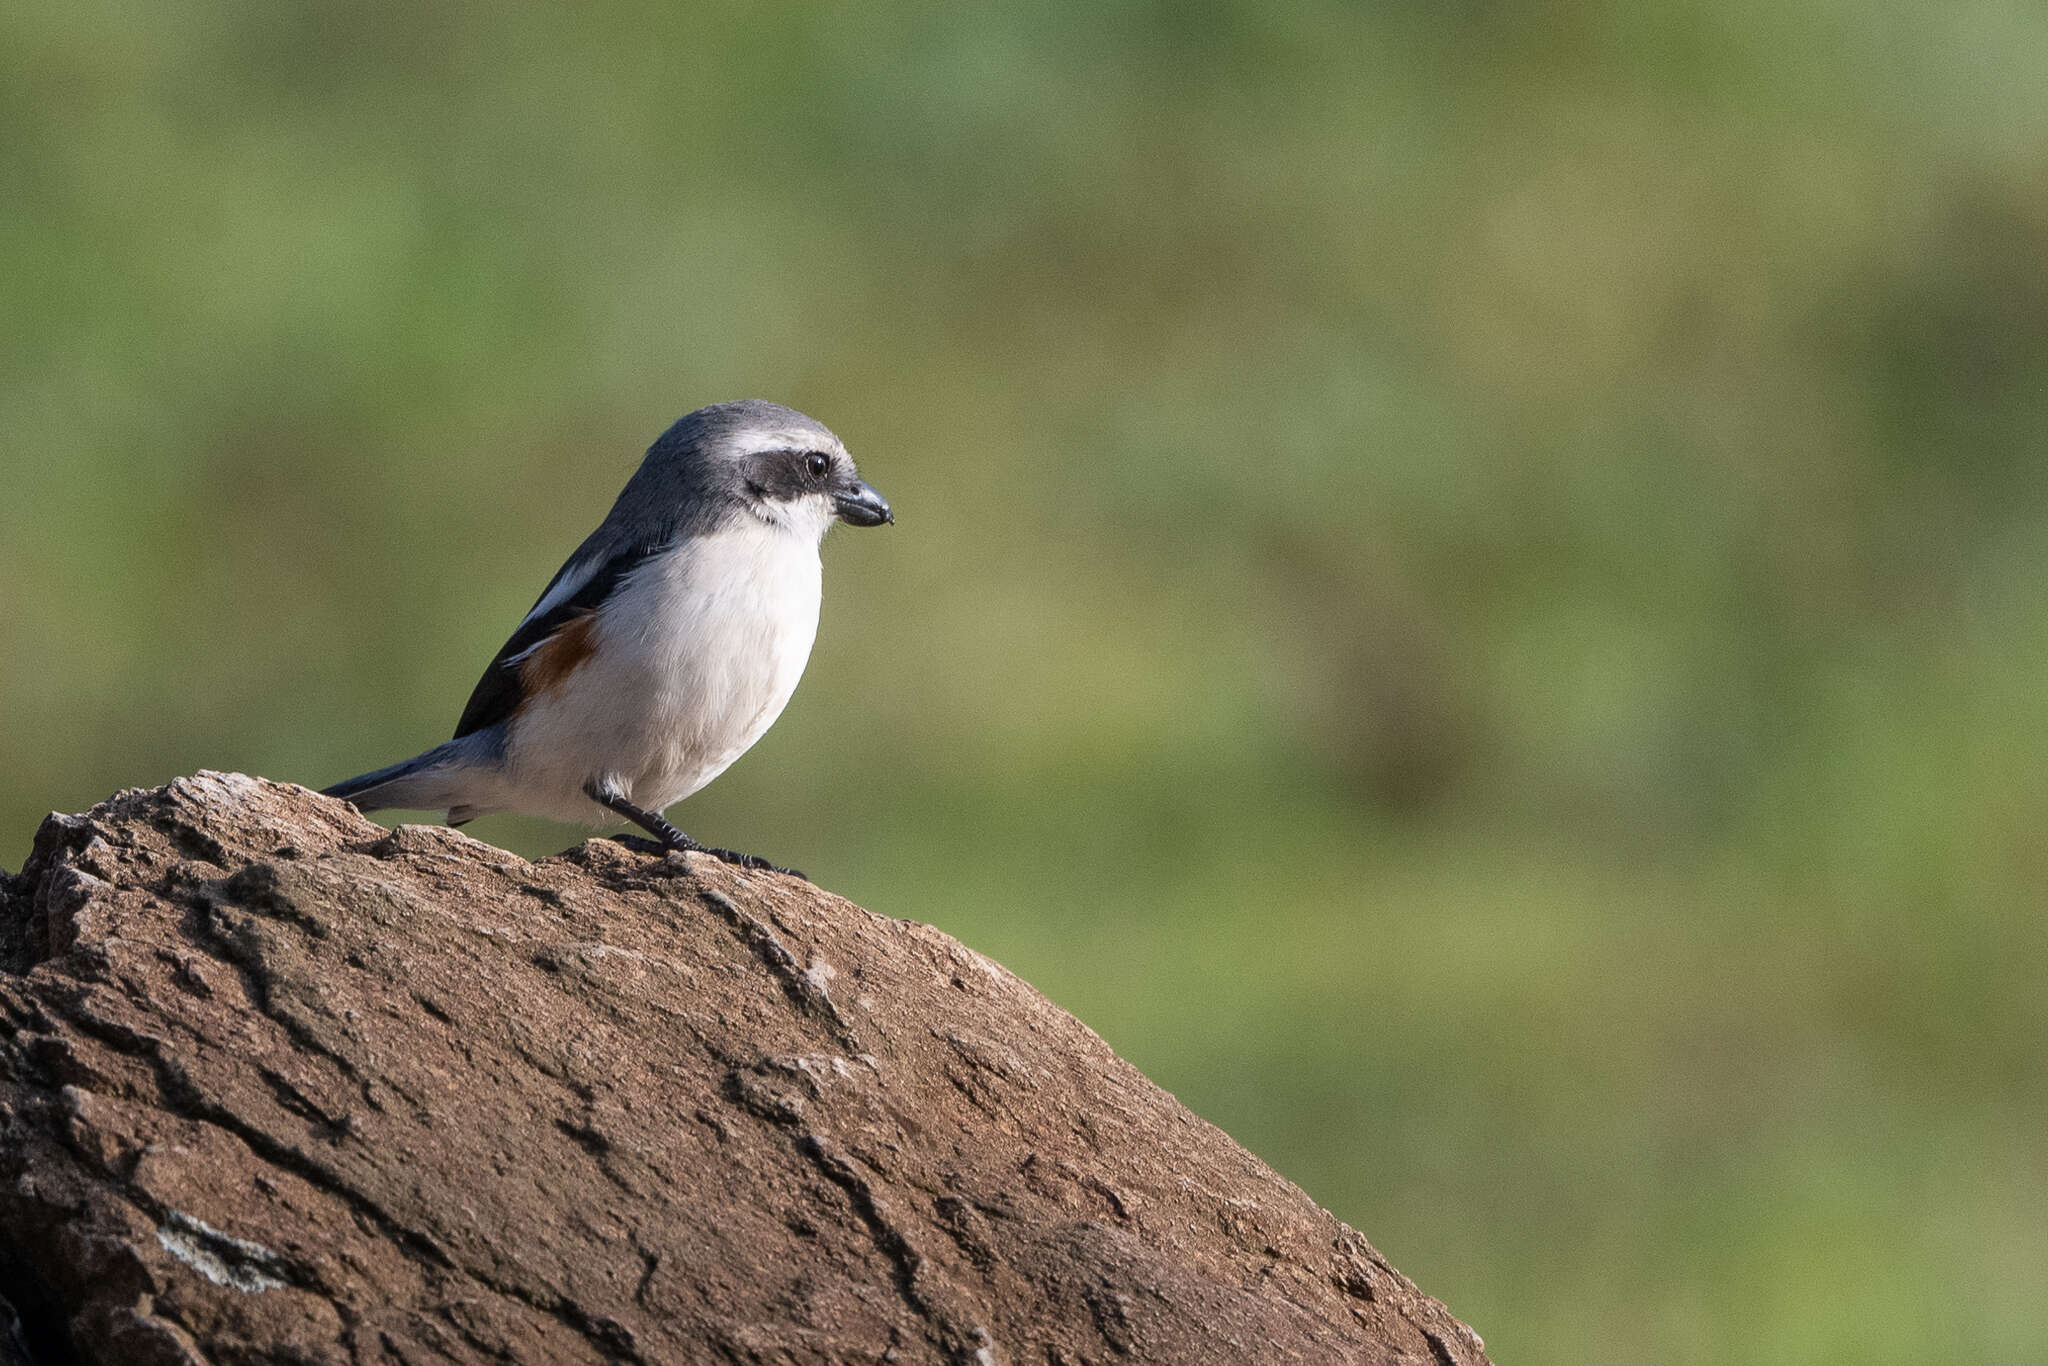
(498, 693)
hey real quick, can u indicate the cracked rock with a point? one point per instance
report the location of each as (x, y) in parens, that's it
(279, 1085)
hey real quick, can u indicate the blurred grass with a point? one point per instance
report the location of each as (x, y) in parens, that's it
(1471, 582)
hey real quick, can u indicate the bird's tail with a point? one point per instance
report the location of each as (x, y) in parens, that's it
(442, 777)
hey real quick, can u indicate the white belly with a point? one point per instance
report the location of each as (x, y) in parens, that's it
(694, 658)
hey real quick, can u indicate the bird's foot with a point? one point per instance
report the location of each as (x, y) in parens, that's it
(753, 862)
(640, 844)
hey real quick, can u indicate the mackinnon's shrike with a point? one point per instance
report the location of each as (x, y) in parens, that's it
(665, 647)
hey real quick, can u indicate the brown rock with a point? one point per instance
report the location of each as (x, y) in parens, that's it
(278, 1085)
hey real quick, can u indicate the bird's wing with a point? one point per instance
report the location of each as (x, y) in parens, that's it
(578, 589)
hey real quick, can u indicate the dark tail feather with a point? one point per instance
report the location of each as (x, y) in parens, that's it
(420, 783)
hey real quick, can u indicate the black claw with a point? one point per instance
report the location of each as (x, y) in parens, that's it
(750, 861)
(754, 863)
(640, 844)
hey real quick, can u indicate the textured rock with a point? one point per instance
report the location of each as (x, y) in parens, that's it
(278, 1085)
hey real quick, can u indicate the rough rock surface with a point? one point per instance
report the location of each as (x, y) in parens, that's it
(278, 1085)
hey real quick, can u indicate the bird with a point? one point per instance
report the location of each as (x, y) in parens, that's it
(664, 647)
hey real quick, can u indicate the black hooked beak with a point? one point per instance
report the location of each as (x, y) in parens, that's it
(862, 506)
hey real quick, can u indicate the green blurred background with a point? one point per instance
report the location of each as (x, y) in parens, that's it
(1472, 587)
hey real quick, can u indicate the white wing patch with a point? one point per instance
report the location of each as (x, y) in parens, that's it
(573, 578)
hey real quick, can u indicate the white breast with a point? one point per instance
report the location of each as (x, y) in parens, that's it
(694, 658)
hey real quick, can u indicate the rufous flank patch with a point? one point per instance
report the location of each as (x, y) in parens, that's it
(555, 658)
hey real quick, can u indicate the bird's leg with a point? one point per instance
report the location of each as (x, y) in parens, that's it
(655, 824)
(650, 821)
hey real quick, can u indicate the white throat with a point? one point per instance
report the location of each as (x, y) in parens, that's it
(808, 518)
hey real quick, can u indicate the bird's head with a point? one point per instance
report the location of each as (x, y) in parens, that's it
(757, 459)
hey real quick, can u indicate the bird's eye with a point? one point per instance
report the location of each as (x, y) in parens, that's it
(817, 464)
